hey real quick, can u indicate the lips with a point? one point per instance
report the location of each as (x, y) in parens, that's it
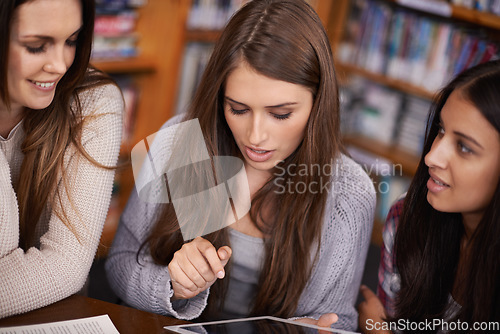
(437, 180)
(258, 154)
(435, 184)
(44, 85)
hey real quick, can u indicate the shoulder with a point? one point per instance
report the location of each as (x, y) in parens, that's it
(351, 182)
(101, 99)
(391, 224)
(102, 110)
(176, 119)
(350, 207)
(395, 212)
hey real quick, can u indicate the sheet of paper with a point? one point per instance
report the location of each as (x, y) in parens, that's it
(101, 324)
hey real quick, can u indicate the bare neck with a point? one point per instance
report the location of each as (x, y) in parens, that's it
(9, 118)
(471, 222)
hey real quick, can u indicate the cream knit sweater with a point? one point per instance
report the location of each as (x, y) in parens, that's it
(58, 266)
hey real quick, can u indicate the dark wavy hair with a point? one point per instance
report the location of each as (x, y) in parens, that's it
(51, 130)
(427, 244)
(284, 40)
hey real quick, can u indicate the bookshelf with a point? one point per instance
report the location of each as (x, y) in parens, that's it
(160, 27)
(164, 35)
(126, 66)
(345, 69)
(459, 16)
(482, 24)
(199, 35)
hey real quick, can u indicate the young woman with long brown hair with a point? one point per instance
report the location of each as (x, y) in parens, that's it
(268, 96)
(440, 261)
(60, 134)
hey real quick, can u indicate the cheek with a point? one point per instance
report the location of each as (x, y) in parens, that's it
(14, 68)
(232, 123)
(481, 184)
(295, 132)
(69, 57)
(23, 65)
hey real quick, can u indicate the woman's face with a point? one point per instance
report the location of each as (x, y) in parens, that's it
(266, 116)
(464, 161)
(42, 48)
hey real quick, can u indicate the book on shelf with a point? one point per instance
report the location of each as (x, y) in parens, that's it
(114, 47)
(387, 177)
(196, 55)
(489, 6)
(411, 131)
(388, 116)
(121, 23)
(211, 14)
(372, 110)
(115, 33)
(423, 50)
(117, 5)
(130, 92)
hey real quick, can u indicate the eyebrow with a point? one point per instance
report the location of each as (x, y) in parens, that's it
(281, 105)
(460, 134)
(49, 38)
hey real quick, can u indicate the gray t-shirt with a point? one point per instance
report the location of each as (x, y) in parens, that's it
(246, 265)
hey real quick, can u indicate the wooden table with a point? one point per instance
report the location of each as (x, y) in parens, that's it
(126, 319)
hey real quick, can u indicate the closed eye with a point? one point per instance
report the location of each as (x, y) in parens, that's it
(37, 49)
(237, 111)
(71, 42)
(281, 116)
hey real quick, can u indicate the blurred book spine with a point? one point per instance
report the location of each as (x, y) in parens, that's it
(211, 14)
(130, 92)
(385, 115)
(489, 6)
(388, 179)
(194, 61)
(115, 35)
(423, 50)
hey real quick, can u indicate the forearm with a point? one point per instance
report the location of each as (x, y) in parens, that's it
(138, 280)
(59, 267)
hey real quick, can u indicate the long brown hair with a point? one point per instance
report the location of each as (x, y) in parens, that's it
(49, 131)
(427, 243)
(284, 40)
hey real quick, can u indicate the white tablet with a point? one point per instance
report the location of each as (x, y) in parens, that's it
(256, 325)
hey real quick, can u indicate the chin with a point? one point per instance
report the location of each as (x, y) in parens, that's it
(39, 105)
(437, 205)
(433, 202)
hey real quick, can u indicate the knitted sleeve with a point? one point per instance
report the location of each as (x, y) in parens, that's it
(348, 221)
(59, 266)
(137, 280)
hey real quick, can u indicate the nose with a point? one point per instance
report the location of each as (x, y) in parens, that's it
(438, 155)
(257, 131)
(56, 61)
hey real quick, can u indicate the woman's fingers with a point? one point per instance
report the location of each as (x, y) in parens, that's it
(196, 266)
(327, 319)
(181, 279)
(370, 309)
(213, 267)
(185, 261)
(367, 293)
